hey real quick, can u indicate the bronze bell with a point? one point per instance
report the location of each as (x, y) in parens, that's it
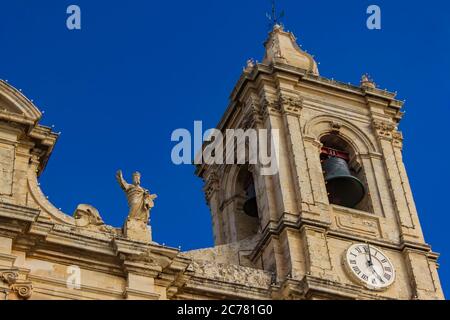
(343, 188)
(250, 205)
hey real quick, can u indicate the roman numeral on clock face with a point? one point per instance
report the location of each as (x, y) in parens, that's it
(357, 270)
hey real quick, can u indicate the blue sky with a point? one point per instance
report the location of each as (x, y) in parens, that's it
(140, 69)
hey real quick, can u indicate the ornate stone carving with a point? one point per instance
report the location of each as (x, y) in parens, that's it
(211, 185)
(248, 121)
(367, 82)
(9, 275)
(140, 202)
(252, 115)
(397, 137)
(388, 131)
(23, 288)
(250, 65)
(383, 128)
(290, 104)
(269, 107)
(335, 127)
(86, 216)
(276, 49)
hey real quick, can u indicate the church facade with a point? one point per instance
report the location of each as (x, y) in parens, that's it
(336, 221)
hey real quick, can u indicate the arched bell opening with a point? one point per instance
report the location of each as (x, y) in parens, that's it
(247, 216)
(344, 176)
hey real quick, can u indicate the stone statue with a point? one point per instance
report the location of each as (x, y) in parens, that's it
(88, 217)
(140, 202)
(367, 82)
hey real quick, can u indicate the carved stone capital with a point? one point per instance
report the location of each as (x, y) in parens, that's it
(252, 116)
(9, 276)
(248, 121)
(388, 131)
(23, 288)
(211, 186)
(270, 108)
(397, 139)
(289, 104)
(383, 129)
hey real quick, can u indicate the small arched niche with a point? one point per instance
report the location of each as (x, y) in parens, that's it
(344, 175)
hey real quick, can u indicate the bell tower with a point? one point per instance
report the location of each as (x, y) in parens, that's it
(338, 219)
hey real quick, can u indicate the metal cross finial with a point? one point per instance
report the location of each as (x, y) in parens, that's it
(273, 17)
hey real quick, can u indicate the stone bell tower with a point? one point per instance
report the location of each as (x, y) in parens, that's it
(302, 230)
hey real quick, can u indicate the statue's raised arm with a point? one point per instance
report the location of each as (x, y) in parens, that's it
(123, 184)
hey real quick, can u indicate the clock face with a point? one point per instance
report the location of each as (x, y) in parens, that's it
(370, 266)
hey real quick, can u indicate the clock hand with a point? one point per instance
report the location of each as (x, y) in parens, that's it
(376, 273)
(370, 256)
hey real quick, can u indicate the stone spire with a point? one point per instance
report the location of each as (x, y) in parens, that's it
(281, 47)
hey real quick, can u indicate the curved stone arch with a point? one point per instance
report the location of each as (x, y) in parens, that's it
(322, 125)
(15, 102)
(231, 176)
(44, 204)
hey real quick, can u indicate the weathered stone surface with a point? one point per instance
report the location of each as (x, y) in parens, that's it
(233, 274)
(294, 249)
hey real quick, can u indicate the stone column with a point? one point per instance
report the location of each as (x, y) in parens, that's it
(423, 274)
(318, 261)
(390, 143)
(211, 190)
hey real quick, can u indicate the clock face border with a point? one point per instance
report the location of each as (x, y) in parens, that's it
(355, 278)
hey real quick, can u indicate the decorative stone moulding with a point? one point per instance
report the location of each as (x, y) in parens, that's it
(23, 288)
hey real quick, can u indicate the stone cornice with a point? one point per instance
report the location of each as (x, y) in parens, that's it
(67, 293)
(260, 69)
(223, 290)
(310, 287)
(296, 222)
(16, 212)
(64, 243)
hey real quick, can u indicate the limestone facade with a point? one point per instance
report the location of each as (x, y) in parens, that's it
(294, 249)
